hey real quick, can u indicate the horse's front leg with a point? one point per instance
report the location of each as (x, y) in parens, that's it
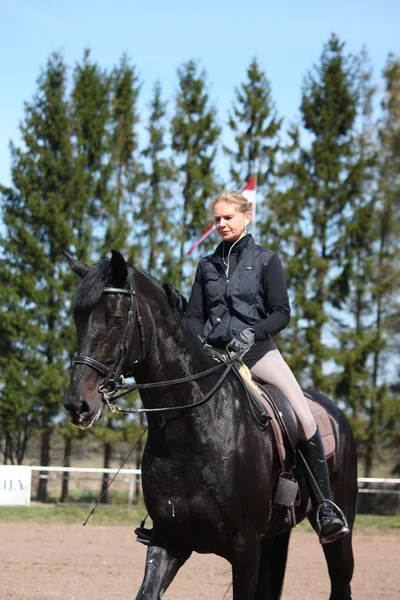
(163, 560)
(245, 565)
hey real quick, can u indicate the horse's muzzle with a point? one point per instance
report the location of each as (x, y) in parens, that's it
(81, 413)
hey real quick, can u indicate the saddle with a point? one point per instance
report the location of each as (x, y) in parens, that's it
(269, 406)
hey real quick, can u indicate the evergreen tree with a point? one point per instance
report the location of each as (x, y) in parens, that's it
(90, 116)
(156, 226)
(255, 126)
(334, 178)
(37, 223)
(18, 411)
(106, 117)
(126, 170)
(351, 289)
(195, 134)
(284, 230)
(383, 411)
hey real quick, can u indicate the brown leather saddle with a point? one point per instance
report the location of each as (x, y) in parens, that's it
(266, 411)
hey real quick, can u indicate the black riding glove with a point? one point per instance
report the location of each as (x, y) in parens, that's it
(242, 342)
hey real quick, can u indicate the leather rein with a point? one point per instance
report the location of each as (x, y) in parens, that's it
(113, 381)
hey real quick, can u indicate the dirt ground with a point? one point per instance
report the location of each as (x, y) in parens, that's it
(71, 562)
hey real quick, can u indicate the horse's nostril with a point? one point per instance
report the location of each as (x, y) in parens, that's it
(84, 407)
(75, 405)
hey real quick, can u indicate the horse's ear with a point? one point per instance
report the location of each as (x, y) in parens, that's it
(78, 267)
(119, 270)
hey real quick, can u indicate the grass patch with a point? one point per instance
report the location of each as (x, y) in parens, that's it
(366, 525)
(380, 525)
(60, 514)
(132, 515)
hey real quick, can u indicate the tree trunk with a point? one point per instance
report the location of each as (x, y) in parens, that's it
(139, 454)
(66, 463)
(44, 462)
(106, 476)
(8, 450)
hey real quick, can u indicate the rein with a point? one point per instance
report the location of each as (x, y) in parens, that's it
(113, 381)
(230, 363)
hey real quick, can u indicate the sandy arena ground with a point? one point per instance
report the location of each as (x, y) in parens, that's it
(72, 562)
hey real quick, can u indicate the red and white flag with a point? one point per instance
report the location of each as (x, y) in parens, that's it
(249, 192)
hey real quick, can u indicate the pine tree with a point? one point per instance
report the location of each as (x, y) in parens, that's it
(351, 289)
(154, 214)
(383, 412)
(255, 126)
(37, 224)
(126, 170)
(334, 175)
(195, 134)
(285, 232)
(90, 116)
(18, 412)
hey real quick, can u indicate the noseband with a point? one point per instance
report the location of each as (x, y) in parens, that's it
(113, 375)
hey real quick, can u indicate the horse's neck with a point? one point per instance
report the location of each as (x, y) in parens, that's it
(173, 359)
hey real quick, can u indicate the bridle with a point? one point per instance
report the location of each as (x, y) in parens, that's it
(113, 375)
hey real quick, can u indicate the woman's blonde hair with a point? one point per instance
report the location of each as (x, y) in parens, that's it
(232, 197)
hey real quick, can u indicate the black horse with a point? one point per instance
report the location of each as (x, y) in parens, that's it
(209, 471)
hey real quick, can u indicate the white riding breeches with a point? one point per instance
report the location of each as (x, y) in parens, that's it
(272, 368)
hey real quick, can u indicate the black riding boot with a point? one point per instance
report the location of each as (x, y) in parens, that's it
(331, 522)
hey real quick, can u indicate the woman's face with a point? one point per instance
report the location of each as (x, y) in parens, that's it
(230, 222)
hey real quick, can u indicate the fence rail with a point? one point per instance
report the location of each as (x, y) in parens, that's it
(87, 470)
(377, 495)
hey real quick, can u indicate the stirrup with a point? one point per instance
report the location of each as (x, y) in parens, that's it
(342, 525)
(143, 535)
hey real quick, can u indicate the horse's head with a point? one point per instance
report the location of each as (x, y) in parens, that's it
(105, 314)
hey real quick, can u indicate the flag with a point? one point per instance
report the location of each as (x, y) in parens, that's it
(205, 233)
(249, 192)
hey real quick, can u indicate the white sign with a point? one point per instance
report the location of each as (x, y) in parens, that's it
(15, 485)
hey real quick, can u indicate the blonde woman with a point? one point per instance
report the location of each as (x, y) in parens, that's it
(239, 301)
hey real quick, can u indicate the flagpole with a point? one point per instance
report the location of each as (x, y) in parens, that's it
(249, 191)
(253, 221)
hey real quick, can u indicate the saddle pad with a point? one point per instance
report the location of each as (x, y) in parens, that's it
(320, 415)
(324, 424)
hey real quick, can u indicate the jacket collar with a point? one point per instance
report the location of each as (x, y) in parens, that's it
(245, 244)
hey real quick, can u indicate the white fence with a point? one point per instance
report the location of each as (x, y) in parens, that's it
(378, 495)
(85, 484)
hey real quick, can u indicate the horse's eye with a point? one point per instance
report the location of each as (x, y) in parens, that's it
(118, 321)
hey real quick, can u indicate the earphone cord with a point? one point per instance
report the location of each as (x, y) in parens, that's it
(226, 262)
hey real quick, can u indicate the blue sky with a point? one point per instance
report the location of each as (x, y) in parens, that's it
(224, 35)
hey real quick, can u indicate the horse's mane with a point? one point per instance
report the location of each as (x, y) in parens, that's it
(98, 277)
(91, 286)
(176, 301)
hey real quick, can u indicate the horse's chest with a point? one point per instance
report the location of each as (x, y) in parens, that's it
(189, 493)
